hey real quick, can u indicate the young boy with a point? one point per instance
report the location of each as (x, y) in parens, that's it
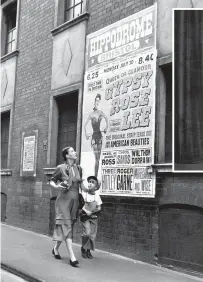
(89, 217)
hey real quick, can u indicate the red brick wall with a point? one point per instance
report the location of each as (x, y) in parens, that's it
(28, 204)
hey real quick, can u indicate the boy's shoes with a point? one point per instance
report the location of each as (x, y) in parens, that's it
(88, 254)
(83, 252)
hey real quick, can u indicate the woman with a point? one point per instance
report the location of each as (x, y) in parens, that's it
(96, 143)
(67, 179)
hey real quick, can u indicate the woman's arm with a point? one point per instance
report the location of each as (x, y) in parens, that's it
(56, 177)
(56, 186)
(106, 120)
(88, 119)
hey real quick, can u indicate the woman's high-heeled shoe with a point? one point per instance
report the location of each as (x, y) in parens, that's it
(56, 256)
(74, 263)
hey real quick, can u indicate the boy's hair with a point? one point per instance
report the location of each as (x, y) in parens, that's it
(92, 177)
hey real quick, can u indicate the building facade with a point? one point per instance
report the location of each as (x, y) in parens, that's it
(42, 75)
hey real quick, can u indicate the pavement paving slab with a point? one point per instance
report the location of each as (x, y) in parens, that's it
(31, 253)
(9, 277)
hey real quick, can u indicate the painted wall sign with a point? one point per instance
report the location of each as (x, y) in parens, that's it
(119, 105)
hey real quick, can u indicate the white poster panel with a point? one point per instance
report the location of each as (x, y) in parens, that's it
(29, 153)
(119, 106)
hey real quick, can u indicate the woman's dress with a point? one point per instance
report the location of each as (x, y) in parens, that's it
(97, 135)
(66, 205)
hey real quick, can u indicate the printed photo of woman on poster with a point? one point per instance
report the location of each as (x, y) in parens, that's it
(96, 117)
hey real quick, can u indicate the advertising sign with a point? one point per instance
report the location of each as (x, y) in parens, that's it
(29, 153)
(119, 105)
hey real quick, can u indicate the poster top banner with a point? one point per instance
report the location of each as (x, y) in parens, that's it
(126, 36)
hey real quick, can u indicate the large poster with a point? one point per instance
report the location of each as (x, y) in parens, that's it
(119, 105)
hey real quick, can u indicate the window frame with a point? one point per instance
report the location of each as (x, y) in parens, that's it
(67, 9)
(5, 29)
(60, 12)
(7, 115)
(161, 99)
(12, 42)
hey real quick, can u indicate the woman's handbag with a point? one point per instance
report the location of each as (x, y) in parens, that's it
(81, 201)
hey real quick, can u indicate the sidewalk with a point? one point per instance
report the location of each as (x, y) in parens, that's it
(30, 253)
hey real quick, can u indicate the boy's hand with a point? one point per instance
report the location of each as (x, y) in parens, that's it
(88, 212)
(91, 192)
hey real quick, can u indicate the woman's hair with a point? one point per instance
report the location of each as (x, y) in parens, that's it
(98, 96)
(65, 152)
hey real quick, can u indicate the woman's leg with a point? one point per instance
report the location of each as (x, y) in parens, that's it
(56, 247)
(69, 245)
(97, 153)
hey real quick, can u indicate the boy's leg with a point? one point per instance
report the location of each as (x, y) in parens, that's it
(93, 234)
(85, 237)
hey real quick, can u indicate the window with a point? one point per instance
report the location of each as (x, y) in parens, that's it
(9, 28)
(188, 95)
(69, 9)
(5, 120)
(167, 71)
(73, 9)
(67, 122)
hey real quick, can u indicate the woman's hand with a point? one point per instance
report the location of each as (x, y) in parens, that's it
(87, 136)
(62, 188)
(58, 186)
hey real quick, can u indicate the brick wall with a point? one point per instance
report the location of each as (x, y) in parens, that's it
(28, 201)
(186, 189)
(180, 198)
(106, 12)
(127, 226)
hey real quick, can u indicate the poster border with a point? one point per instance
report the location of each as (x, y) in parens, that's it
(153, 49)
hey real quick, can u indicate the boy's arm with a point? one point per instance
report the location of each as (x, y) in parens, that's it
(98, 203)
(98, 208)
(86, 211)
(83, 187)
